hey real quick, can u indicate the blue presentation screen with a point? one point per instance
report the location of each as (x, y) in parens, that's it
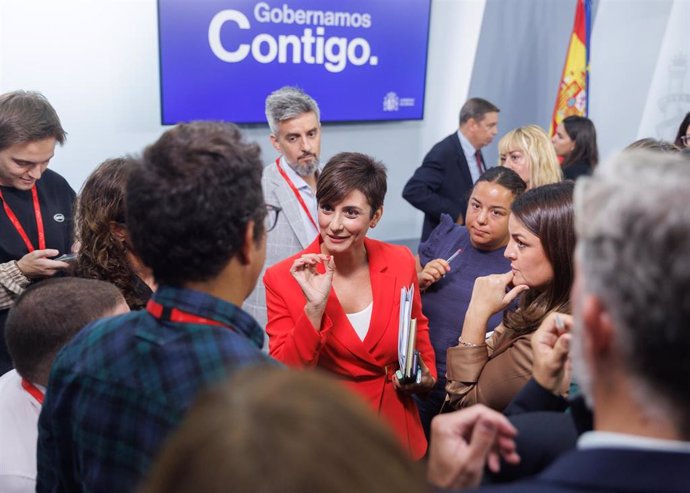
(360, 59)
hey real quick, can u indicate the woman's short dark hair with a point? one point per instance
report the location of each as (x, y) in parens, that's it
(581, 131)
(547, 211)
(506, 177)
(101, 203)
(271, 429)
(349, 171)
(190, 198)
(682, 130)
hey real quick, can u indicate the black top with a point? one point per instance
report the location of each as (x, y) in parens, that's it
(56, 199)
(575, 170)
(57, 204)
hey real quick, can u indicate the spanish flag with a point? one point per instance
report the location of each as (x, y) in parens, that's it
(573, 89)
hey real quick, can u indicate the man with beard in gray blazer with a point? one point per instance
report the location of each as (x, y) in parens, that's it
(289, 182)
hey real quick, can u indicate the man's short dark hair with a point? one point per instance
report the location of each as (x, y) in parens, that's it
(27, 116)
(48, 314)
(476, 108)
(190, 198)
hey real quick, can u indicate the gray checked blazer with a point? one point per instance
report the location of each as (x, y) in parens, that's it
(287, 238)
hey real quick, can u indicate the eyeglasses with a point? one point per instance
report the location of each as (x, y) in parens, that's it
(685, 139)
(271, 219)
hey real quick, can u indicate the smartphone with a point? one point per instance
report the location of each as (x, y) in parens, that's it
(68, 257)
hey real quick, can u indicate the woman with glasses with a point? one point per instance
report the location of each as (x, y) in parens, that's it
(105, 251)
(683, 135)
(528, 151)
(575, 141)
(336, 305)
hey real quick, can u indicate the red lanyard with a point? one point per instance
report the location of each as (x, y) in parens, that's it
(18, 226)
(175, 315)
(296, 192)
(34, 391)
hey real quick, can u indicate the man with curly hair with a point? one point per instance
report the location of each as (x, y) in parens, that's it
(196, 216)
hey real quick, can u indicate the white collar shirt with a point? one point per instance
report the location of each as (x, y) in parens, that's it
(606, 439)
(470, 152)
(19, 412)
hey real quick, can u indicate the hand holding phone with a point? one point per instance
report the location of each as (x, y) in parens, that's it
(67, 257)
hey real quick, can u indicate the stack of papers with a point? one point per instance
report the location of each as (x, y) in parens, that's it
(407, 335)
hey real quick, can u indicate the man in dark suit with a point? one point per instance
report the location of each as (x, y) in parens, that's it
(442, 184)
(629, 337)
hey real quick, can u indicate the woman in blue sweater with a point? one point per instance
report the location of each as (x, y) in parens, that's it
(447, 286)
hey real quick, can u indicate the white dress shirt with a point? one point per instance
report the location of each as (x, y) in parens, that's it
(607, 439)
(360, 321)
(19, 433)
(469, 152)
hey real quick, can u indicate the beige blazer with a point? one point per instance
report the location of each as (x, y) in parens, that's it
(490, 374)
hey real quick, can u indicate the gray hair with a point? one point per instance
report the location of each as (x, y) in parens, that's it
(289, 102)
(633, 227)
(476, 108)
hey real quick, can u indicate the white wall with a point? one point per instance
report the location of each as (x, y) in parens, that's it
(97, 62)
(628, 37)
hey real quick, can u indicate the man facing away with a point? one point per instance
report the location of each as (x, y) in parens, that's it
(41, 321)
(36, 212)
(196, 215)
(442, 184)
(630, 336)
(289, 182)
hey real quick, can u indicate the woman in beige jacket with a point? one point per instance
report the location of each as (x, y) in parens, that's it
(492, 370)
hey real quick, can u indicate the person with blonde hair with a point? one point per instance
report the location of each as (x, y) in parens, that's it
(529, 152)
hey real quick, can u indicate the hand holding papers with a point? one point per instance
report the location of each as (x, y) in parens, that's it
(408, 358)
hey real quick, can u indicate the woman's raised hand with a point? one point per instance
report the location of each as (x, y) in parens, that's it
(433, 271)
(491, 295)
(315, 286)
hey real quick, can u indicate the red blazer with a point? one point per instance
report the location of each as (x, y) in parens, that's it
(366, 366)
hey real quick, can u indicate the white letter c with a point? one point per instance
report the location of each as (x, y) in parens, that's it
(214, 35)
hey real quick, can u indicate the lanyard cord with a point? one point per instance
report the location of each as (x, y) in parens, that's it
(296, 192)
(18, 226)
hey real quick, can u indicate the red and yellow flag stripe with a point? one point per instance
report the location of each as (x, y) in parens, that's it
(573, 91)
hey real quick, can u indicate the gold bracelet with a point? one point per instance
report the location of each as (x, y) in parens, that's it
(467, 344)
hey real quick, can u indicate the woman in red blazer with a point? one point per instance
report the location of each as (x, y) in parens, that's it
(336, 304)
